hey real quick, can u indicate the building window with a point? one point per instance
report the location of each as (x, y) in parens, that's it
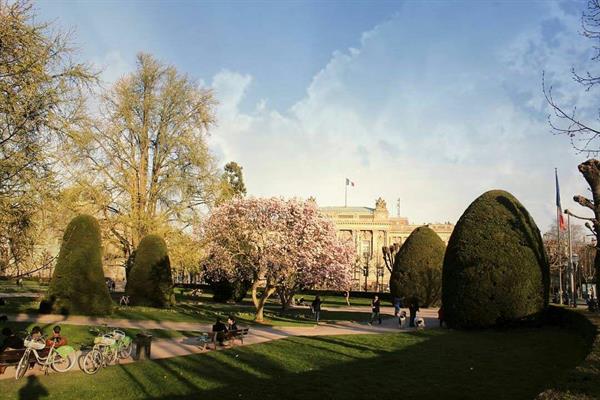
(365, 248)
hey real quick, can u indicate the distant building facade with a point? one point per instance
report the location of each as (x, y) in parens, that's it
(370, 229)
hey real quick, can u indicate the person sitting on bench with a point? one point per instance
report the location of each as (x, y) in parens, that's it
(10, 340)
(231, 324)
(220, 329)
(57, 339)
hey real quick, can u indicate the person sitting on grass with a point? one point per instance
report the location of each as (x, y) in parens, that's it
(56, 339)
(231, 324)
(220, 329)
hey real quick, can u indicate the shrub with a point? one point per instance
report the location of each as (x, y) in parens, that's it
(495, 268)
(78, 284)
(417, 272)
(150, 282)
(224, 290)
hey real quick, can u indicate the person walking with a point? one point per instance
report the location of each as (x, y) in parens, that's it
(396, 302)
(316, 308)
(413, 308)
(347, 296)
(375, 310)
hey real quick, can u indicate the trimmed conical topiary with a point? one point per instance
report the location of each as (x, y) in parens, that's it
(150, 282)
(417, 272)
(78, 284)
(495, 269)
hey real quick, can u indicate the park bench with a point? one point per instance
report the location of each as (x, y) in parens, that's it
(207, 339)
(12, 357)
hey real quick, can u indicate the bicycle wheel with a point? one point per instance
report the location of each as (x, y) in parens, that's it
(92, 362)
(110, 355)
(23, 365)
(125, 351)
(63, 364)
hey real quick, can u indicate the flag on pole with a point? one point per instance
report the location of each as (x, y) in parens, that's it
(349, 182)
(559, 213)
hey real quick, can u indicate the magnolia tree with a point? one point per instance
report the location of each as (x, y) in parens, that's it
(279, 245)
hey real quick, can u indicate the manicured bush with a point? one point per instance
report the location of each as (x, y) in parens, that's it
(150, 282)
(78, 284)
(495, 268)
(417, 272)
(224, 291)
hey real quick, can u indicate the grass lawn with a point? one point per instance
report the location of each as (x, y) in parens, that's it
(29, 286)
(203, 310)
(435, 364)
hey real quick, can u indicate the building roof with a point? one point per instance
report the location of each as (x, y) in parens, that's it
(348, 209)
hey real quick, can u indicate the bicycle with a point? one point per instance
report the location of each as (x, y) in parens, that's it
(108, 348)
(60, 359)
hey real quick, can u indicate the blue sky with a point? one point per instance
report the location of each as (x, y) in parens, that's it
(432, 102)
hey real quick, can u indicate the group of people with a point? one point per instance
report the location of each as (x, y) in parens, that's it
(11, 341)
(221, 329)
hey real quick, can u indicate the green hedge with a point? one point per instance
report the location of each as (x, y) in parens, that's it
(78, 284)
(417, 272)
(495, 268)
(582, 383)
(150, 282)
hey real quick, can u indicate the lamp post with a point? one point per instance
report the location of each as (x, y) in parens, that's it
(380, 273)
(366, 271)
(571, 260)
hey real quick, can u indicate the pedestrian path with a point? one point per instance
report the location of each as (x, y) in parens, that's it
(167, 348)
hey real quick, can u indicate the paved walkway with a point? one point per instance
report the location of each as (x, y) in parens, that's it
(166, 348)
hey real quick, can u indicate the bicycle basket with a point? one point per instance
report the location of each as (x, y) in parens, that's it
(105, 340)
(36, 344)
(118, 334)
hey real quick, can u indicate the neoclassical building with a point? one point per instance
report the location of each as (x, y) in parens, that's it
(370, 229)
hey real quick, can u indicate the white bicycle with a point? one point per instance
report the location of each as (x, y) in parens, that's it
(60, 359)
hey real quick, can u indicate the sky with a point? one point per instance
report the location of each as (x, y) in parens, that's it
(430, 102)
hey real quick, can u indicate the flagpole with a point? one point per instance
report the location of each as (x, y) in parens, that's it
(571, 278)
(559, 258)
(346, 194)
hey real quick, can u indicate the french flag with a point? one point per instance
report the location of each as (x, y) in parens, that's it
(560, 219)
(349, 182)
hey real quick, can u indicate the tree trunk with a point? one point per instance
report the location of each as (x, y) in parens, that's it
(590, 170)
(286, 296)
(259, 302)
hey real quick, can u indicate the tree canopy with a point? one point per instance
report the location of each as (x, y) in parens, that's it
(285, 244)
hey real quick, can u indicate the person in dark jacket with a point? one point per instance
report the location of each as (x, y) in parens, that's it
(316, 308)
(375, 310)
(10, 340)
(231, 324)
(413, 308)
(221, 329)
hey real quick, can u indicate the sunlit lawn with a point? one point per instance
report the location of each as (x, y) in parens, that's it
(435, 364)
(203, 310)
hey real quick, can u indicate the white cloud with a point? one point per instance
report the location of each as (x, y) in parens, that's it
(435, 124)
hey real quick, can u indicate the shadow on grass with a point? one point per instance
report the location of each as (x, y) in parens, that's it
(33, 390)
(424, 365)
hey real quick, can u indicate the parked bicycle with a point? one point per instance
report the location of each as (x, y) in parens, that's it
(60, 359)
(108, 348)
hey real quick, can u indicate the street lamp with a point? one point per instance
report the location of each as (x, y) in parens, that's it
(366, 270)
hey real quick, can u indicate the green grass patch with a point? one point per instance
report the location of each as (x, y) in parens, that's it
(435, 364)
